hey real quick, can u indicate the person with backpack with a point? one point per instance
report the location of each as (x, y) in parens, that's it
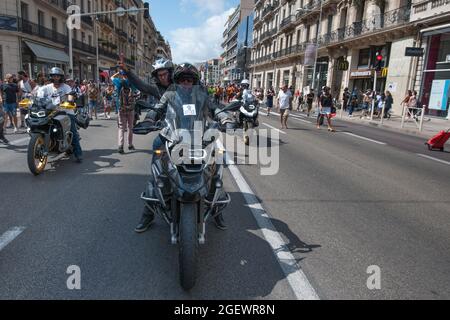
(125, 105)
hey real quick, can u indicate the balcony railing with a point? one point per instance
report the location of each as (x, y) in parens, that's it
(270, 9)
(105, 20)
(375, 23)
(87, 20)
(266, 35)
(76, 44)
(108, 53)
(61, 4)
(287, 22)
(34, 29)
(122, 33)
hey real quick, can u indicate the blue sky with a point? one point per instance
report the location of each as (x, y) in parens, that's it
(193, 27)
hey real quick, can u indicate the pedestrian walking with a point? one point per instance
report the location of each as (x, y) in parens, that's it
(309, 101)
(345, 99)
(2, 122)
(325, 106)
(24, 92)
(125, 106)
(388, 104)
(10, 91)
(108, 100)
(93, 93)
(270, 94)
(284, 101)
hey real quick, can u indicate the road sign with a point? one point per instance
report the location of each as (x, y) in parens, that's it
(413, 52)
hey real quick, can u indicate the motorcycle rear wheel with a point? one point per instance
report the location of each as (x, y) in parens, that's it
(188, 245)
(35, 158)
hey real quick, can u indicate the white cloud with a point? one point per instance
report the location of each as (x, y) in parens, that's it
(197, 44)
(202, 6)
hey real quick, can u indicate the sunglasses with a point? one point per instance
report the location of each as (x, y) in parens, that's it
(190, 80)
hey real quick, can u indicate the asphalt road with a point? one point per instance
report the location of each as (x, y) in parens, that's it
(340, 204)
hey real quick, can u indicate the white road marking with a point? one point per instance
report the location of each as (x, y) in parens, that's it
(268, 125)
(296, 117)
(364, 138)
(9, 236)
(432, 158)
(296, 278)
(19, 141)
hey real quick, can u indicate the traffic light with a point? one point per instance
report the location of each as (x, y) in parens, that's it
(147, 10)
(378, 61)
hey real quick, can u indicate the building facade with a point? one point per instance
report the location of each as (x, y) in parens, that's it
(335, 41)
(432, 69)
(34, 37)
(232, 69)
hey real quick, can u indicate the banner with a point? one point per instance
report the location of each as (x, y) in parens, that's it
(310, 54)
(439, 95)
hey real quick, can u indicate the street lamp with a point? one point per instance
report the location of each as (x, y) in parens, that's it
(317, 38)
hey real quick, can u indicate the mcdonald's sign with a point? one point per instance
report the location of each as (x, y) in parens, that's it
(342, 64)
(384, 72)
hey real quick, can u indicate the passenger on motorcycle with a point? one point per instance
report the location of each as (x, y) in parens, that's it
(187, 76)
(58, 91)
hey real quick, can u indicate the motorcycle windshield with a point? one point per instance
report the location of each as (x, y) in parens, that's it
(185, 116)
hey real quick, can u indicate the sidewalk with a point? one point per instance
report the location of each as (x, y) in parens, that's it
(430, 127)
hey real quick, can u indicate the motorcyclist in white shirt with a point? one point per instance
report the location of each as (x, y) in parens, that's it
(58, 92)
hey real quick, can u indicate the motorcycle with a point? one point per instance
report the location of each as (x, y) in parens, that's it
(49, 128)
(241, 114)
(185, 187)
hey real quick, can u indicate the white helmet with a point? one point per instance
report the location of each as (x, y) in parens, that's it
(245, 81)
(162, 64)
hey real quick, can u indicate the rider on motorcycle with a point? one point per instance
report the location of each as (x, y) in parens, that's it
(161, 78)
(58, 90)
(187, 76)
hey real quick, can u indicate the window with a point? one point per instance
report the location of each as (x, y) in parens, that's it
(54, 24)
(330, 23)
(364, 57)
(41, 18)
(24, 10)
(299, 35)
(90, 40)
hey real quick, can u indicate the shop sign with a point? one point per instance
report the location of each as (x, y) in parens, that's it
(384, 72)
(342, 64)
(413, 52)
(361, 74)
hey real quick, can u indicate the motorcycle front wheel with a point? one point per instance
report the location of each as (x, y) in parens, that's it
(188, 245)
(35, 155)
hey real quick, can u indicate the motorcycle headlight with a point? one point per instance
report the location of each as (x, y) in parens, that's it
(251, 107)
(39, 114)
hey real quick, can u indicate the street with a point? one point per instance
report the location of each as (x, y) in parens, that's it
(340, 203)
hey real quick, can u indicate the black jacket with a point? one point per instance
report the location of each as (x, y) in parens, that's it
(153, 88)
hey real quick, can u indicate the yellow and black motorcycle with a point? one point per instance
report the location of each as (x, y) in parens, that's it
(49, 128)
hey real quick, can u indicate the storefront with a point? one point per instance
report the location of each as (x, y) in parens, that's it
(37, 58)
(362, 80)
(435, 85)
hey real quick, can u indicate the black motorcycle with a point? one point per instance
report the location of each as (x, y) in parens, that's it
(185, 187)
(240, 114)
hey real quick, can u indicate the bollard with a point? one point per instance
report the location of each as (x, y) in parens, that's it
(382, 114)
(421, 118)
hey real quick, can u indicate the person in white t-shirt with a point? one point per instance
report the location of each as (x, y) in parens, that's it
(25, 91)
(284, 99)
(58, 91)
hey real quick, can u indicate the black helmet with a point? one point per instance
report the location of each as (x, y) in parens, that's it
(160, 64)
(186, 70)
(57, 71)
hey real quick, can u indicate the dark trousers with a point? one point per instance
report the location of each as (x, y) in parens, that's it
(76, 137)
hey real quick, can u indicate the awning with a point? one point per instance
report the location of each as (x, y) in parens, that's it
(47, 54)
(443, 28)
